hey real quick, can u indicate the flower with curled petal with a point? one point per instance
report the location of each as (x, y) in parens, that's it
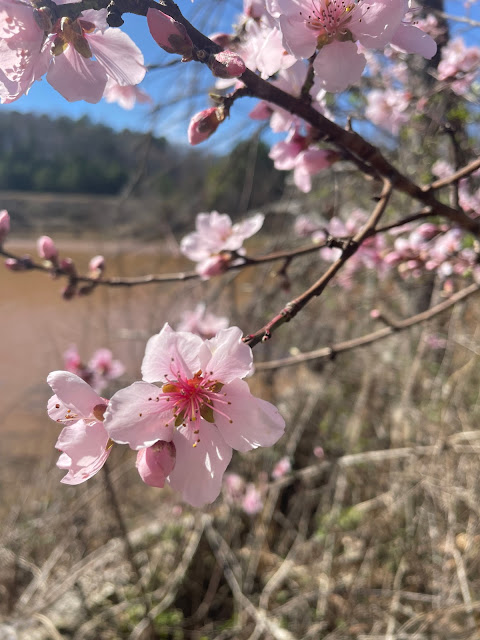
(193, 396)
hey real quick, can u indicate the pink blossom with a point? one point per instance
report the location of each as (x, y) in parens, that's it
(318, 452)
(23, 56)
(155, 463)
(4, 225)
(169, 34)
(204, 324)
(215, 234)
(334, 26)
(388, 109)
(234, 487)
(78, 55)
(199, 403)
(96, 267)
(99, 371)
(126, 96)
(281, 469)
(83, 441)
(203, 124)
(459, 64)
(252, 502)
(46, 249)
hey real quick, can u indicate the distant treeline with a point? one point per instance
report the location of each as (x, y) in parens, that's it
(41, 154)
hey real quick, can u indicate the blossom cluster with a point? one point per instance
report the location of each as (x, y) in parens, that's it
(184, 418)
(82, 58)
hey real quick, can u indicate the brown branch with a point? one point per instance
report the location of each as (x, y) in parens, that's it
(374, 336)
(458, 175)
(366, 156)
(351, 246)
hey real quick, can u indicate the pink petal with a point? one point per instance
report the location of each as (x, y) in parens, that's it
(74, 393)
(230, 357)
(169, 352)
(135, 417)
(155, 463)
(337, 66)
(413, 40)
(199, 476)
(255, 422)
(298, 39)
(85, 444)
(77, 78)
(118, 55)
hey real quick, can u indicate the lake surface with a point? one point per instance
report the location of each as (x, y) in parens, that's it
(38, 325)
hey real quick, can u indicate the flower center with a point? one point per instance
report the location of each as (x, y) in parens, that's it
(194, 398)
(330, 17)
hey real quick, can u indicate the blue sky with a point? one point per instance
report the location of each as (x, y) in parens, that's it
(168, 85)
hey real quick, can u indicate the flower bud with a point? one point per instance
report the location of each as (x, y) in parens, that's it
(22, 264)
(46, 249)
(214, 266)
(67, 265)
(169, 34)
(226, 64)
(203, 124)
(96, 266)
(4, 225)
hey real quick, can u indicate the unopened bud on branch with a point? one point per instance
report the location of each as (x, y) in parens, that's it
(226, 64)
(204, 123)
(4, 225)
(46, 249)
(169, 34)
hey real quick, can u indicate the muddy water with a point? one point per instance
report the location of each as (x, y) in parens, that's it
(37, 325)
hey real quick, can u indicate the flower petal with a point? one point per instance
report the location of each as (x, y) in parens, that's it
(337, 66)
(85, 444)
(73, 392)
(230, 357)
(118, 55)
(255, 422)
(199, 475)
(169, 352)
(137, 416)
(77, 78)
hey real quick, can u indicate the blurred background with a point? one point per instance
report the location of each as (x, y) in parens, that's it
(363, 521)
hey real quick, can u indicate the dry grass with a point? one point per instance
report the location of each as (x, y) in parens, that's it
(378, 540)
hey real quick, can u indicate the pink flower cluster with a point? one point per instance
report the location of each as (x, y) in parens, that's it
(100, 370)
(79, 57)
(217, 243)
(459, 66)
(190, 410)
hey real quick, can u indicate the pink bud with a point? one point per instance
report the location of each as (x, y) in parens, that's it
(96, 266)
(4, 225)
(374, 314)
(46, 248)
(66, 265)
(226, 64)
(155, 463)
(21, 264)
(203, 124)
(213, 266)
(318, 452)
(169, 34)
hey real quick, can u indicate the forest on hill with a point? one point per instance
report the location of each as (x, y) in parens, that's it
(39, 154)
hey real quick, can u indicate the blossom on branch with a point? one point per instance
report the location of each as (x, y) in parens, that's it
(78, 55)
(331, 29)
(193, 396)
(215, 237)
(4, 225)
(83, 441)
